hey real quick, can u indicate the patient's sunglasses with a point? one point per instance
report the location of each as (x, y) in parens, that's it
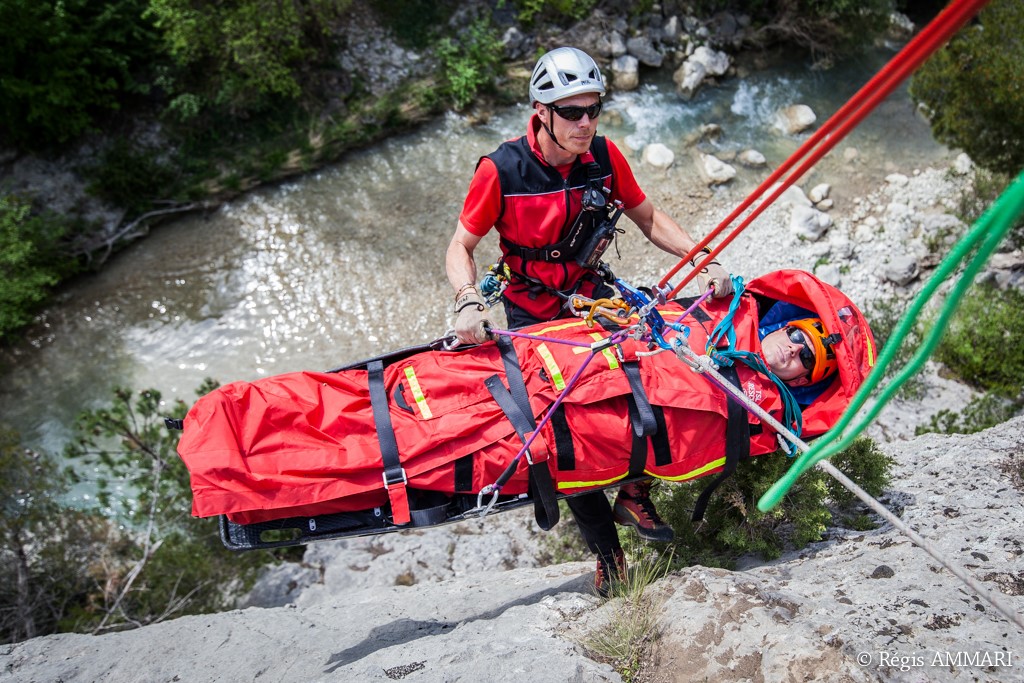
(575, 112)
(797, 336)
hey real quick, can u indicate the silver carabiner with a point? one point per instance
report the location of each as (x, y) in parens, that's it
(480, 500)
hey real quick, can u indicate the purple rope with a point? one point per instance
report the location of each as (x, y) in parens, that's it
(701, 299)
(509, 333)
(616, 338)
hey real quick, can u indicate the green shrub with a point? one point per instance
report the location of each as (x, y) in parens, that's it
(131, 178)
(733, 527)
(66, 63)
(470, 64)
(51, 556)
(971, 88)
(240, 56)
(981, 348)
(975, 201)
(415, 23)
(982, 344)
(166, 562)
(29, 264)
(983, 412)
(565, 11)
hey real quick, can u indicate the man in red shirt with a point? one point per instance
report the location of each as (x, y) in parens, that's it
(536, 191)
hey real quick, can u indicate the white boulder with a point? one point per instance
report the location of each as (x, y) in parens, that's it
(658, 155)
(715, 171)
(795, 119)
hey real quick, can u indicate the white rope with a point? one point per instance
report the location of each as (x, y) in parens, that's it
(700, 364)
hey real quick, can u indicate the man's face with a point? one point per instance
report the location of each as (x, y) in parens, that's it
(575, 136)
(783, 357)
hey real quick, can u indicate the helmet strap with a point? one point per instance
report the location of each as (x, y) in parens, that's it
(549, 129)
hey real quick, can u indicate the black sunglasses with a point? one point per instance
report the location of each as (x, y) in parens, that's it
(806, 354)
(575, 112)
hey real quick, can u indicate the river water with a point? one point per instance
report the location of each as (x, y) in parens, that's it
(347, 262)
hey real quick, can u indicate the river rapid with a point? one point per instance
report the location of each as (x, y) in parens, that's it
(347, 262)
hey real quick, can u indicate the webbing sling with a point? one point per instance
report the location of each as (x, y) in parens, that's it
(648, 423)
(737, 444)
(514, 373)
(564, 450)
(641, 418)
(394, 475)
(545, 506)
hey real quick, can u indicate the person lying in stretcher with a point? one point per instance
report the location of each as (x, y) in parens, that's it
(798, 350)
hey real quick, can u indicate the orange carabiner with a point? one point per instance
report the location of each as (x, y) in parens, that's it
(615, 310)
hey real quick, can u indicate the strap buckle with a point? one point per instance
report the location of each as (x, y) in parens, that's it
(388, 481)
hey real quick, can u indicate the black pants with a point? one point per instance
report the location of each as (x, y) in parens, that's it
(592, 512)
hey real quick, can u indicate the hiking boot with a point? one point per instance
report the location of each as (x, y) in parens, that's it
(633, 507)
(610, 570)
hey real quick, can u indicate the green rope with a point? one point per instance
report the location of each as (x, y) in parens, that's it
(987, 232)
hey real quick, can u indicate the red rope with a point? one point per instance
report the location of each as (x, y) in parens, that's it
(856, 109)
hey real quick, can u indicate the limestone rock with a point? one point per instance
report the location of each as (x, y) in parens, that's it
(809, 223)
(714, 62)
(901, 269)
(689, 77)
(643, 49)
(714, 170)
(658, 155)
(625, 73)
(819, 193)
(751, 158)
(795, 119)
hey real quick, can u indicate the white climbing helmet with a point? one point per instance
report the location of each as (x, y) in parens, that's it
(563, 72)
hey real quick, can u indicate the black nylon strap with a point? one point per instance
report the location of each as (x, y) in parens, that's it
(514, 374)
(565, 451)
(464, 473)
(638, 448)
(545, 505)
(393, 473)
(662, 450)
(737, 444)
(646, 424)
(399, 396)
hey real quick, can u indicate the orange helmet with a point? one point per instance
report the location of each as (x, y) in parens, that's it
(817, 342)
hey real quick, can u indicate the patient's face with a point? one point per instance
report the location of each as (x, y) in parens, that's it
(782, 355)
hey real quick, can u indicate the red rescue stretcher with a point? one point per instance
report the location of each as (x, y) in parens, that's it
(412, 438)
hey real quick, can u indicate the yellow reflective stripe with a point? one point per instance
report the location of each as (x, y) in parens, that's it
(613, 361)
(549, 360)
(417, 393)
(609, 355)
(697, 472)
(871, 351)
(605, 482)
(583, 484)
(563, 326)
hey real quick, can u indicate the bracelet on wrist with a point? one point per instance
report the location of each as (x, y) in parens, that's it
(463, 288)
(704, 250)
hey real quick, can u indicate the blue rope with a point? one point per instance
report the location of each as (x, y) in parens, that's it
(726, 328)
